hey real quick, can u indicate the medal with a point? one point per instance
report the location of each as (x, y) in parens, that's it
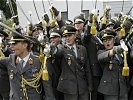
(30, 61)
(110, 65)
(69, 61)
(35, 74)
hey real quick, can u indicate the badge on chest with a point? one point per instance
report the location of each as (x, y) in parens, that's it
(11, 74)
(69, 61)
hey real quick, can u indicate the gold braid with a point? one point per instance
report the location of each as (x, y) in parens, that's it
(34, 83)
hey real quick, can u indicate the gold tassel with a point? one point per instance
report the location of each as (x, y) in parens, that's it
(45, 75)
(41, 56)
(52, 23)
(93, 27)
(122, 32)
(125, 71)
(104, 20)
(93, 30)
(44, 24)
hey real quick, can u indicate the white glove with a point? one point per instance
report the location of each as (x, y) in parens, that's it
(94, 11)
(47, 50)
(41, 37)
(123, 45)
(108, 7)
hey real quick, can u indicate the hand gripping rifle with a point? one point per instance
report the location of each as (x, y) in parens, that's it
(54, 14)
(105, 15)
(15, 32)
(94, 19)
(42, 57)
(125, 71)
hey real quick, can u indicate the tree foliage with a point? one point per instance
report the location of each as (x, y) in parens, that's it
(4, 6)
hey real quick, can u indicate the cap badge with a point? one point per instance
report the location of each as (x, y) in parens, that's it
(65, 31)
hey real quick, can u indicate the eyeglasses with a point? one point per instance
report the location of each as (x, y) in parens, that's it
(108, 39)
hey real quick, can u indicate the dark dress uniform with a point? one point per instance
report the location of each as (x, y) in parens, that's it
(4, 84)
(4, 79)
(131, 89)
(92, 45)
(75, 78)
(112, 82)
(53, 66)
(131, 74)
(18, 77)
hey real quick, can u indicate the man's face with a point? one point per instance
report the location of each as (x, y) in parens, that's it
(37, 32)
(70, 39)
(111, 26)
(18, 48)
(55, 40)
(108, 43)
(79, 26)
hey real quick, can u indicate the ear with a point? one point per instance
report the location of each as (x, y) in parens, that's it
(25, 45)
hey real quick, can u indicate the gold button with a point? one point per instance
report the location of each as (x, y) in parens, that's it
(21, 98)
(20, 89)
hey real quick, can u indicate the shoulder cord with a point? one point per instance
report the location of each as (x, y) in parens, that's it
(34, 83)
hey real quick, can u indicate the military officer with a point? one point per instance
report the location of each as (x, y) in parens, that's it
(113, 85)
(95, 43)
(25, 72)
(131, 74)
(38, 29)
(53, 64)
(90, 40)
(4, 79)
(75, 78)
(79, 25)
(110, 24)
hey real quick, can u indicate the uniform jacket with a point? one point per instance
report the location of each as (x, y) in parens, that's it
(30, 71)
(130, 63)
(112, 81)
(92, 45)
(54, 71)
(4, 79)
(75, 72)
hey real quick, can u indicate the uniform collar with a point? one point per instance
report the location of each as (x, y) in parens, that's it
(74, 46)
(25, 58)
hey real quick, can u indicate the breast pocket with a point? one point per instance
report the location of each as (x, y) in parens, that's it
(69, 59)
(106, 80)
(31, 73)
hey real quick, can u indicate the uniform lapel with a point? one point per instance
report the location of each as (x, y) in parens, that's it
(12, 64)
(78, 50)
(19, 68)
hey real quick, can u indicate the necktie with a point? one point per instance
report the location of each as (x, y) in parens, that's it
(21, 63)
(73, 51)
